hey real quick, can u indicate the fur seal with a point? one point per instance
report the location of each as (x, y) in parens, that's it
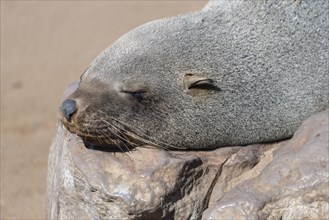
(233, 73)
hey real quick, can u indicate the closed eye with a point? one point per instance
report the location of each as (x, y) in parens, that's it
(138, 94)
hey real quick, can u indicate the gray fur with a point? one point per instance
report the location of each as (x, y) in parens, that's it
(267, 59)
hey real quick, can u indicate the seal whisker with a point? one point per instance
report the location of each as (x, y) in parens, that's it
(113, 141)
(149, 140)
(139, 137)
(124, 138)
(88, 133)
(95, 136)
(118, 136)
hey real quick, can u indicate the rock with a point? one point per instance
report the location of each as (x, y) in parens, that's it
(283, 180)
(289, 182)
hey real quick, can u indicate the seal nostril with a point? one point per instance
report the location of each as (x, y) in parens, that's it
(69, 106)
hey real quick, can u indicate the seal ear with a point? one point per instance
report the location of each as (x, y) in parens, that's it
(192, 81)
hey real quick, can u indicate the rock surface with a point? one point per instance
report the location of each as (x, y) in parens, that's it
(283, 180)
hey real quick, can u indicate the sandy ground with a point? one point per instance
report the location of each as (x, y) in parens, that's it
(44, 46)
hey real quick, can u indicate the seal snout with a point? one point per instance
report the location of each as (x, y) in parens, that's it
(68, 108)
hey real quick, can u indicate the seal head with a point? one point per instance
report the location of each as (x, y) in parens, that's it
(213, 78)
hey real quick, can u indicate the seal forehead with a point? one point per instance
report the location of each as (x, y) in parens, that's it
(149, 49)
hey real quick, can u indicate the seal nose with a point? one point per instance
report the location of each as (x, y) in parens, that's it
(69, 106)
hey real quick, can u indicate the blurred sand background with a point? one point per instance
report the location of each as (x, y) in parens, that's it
(44, 46)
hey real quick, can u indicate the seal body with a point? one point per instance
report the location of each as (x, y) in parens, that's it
(234, 73)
